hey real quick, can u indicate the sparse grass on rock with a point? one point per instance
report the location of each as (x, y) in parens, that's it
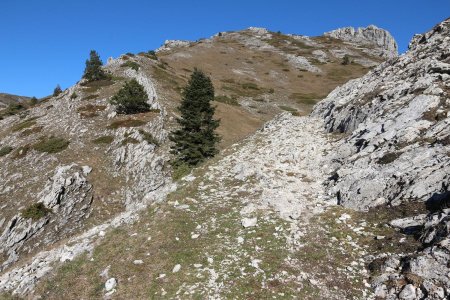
(126, 123)
(131, 64)
(51, 145)
(106, 139)
(5, 150)
(24, 124)
(148, 137)
(227, 100)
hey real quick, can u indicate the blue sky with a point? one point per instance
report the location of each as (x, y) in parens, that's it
(46, 42)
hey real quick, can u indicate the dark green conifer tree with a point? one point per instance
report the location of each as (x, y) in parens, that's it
(93, 70)
(131, 98)
(195, 139)
(57, 90)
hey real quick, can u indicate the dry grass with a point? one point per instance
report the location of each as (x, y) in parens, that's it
(90, 110)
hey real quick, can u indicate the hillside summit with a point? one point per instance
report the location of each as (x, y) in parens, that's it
(349, 201)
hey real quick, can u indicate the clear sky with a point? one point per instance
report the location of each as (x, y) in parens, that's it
(46, 42)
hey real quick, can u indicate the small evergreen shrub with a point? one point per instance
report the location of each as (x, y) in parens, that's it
(36, 211)
(57, 91)
(51, 145)
(5, 150)
(131, 99)
(33, 101)
(93, 70)
(73, 96)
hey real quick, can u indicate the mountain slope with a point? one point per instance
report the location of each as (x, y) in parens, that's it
(106, 169)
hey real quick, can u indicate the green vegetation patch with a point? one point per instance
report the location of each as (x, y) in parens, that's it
(94, 86)
(148, 137)
(106, 139)
(36, 211)
(5, 150)
(389, 158)
(51, 145)
(129, 140)
(90, 110)
(287, 108)
(24, 124)
(227, 100)
(126, 123)
(21, 152)
(131, 64)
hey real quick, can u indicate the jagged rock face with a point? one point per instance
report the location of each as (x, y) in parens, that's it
(426, 272)
(370, 35)
(68, 195)
(396, 123)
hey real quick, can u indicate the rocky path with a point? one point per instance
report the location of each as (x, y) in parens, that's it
(252, 223)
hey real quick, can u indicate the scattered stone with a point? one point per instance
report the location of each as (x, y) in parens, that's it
(177, 268)
(110, 284)
(249, 222)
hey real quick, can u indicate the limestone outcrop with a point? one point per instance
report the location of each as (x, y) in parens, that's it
(382, 41)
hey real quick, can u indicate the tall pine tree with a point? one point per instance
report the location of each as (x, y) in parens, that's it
(93, 70)
(195, 139)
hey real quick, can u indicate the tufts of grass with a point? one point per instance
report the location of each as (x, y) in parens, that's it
(227, 100)
(250, 86)
(21, 152)
(180, 171)
(25, 124)
(31, 130)
(148, 137)
(36, 211)
(90, 110)
(287, 108)
(91, 97)
(106, 139)
(126, 123)
(389, 158)
(51, 145)
(5, 150)
(129, 140)
(131, 64)
(94, 86)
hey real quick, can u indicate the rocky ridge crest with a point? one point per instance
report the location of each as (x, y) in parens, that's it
(386, 45)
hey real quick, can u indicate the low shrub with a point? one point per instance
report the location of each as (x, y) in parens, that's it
(51, 145)
(106, 139)
(24, 124)
(126, 123)
(180, 171)
(5, 150)
(131, 64)
(227, 100)
(73, 96)
(129, 140)
(36, 211)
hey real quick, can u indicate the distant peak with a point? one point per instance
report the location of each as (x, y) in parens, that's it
(371, 35)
